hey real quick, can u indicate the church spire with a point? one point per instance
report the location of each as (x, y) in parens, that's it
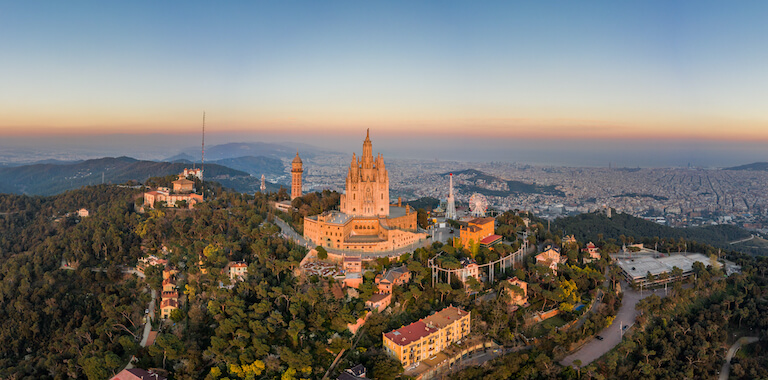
(367, 157)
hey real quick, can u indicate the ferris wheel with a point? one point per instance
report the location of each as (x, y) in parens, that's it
(478, 204)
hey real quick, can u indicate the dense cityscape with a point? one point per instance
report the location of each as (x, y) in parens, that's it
(680, 197)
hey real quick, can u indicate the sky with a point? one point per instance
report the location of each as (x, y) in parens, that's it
(654, 78)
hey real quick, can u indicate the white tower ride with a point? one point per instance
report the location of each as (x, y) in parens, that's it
(450, 208)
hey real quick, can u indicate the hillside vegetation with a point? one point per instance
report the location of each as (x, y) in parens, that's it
(597, 226)
(50, 179)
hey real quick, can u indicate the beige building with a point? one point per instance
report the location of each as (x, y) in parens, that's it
(183, 185)
(352, 264)
(426, 337)
(395, 276)
(238, 270)
(550, 258)
(515, 298)
(366, 222)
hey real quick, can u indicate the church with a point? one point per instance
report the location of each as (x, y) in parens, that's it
(366, 222)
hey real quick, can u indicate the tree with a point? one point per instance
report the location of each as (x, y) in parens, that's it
(177, 315)
(168, 345)
(322, 254)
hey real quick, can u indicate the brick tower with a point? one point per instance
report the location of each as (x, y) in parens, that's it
(296, 171)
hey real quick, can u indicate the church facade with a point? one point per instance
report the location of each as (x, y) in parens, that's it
(366, 222)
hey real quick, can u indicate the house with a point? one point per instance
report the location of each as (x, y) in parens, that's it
(169, 284)
(353, 279)
(357, 372)
(137, 374)
(469, 268)
(592, 251)
(195, 172)
(352, 264)
(167, 306)
(379, 301)
(183, 185)
(172, 294)
(83, 213)
(238, 270)
(144, 262)
(515, 298)
(479, 231)
(168, 273)
(427, 337)
(550, 258)
(395, 276)
(154, 196)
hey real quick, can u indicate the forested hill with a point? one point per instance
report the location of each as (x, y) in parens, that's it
(759, 166)
(49, 179)
(587, 227)
(66, 323)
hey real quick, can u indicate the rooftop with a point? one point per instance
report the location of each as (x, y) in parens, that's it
(409, 334)
(482, 221)
(445, 317)
(424, 327)
(377, 297)
(396, 211)
(639, 267)
(490, 239)
(137, 374)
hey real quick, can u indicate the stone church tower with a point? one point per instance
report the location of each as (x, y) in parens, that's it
(367, 189)
(296, 171)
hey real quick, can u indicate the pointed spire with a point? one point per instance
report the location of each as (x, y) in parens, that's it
(367, 134)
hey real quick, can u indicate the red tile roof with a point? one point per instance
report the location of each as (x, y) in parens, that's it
(409, 334)
(424, 327)
(137, 374)
(490, 239)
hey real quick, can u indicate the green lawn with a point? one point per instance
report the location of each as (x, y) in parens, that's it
(543, 327)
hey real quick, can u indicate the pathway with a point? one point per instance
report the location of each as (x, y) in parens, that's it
(742, 240)
(725, 371)
(612, 334)
(148, 325)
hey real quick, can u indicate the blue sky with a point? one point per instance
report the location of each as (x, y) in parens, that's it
(669, 70)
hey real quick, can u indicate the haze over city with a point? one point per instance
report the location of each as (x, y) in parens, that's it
(634, 84)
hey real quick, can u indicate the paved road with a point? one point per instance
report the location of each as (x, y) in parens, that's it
(148, 325)
(611, 334)
(725, 371)
(290, 233)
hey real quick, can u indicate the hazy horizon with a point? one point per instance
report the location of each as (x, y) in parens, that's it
(574, 152)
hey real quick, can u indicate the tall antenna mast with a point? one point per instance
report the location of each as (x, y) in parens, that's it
(202, 158)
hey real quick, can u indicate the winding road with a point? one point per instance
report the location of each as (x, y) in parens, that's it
(612, 334)
(726, 370)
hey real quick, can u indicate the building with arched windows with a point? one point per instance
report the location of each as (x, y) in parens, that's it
(366, 222)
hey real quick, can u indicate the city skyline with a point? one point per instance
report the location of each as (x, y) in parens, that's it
(600, 71)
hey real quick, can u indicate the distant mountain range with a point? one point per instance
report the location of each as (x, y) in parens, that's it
(282, 151)
(256, 166)
(48, 179)
(756, 166)
(479, 182)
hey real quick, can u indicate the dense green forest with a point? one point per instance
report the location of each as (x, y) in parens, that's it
(84, 320)
(49, 179)
(597, 226)
(67, 323)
